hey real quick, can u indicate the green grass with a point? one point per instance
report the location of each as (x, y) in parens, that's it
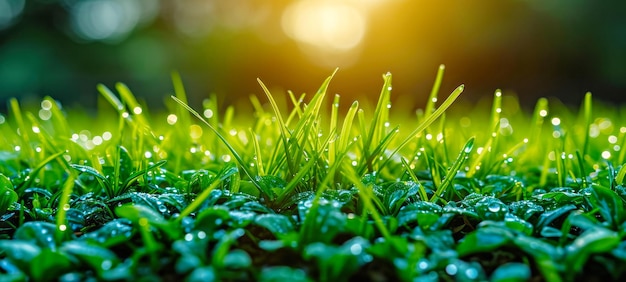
(303, 189)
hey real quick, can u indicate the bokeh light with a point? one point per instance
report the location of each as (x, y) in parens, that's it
(532, 48)
(110, 20)
(327, 26)
(10, 10)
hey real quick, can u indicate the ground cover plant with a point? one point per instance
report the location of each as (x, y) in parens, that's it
(304, 189)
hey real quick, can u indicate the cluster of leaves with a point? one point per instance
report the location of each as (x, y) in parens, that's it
(301, 198)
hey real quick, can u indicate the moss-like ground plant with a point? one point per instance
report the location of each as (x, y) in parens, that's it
(304, 189)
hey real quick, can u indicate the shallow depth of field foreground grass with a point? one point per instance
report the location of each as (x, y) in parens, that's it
(305, 189)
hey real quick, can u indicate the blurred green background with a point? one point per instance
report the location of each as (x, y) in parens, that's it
(63, 48)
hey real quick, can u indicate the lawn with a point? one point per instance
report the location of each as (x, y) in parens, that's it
(313, 188)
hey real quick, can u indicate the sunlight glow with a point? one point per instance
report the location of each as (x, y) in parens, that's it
(326, 25)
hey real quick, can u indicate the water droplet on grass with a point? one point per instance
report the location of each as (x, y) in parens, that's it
(356, 249)
(201, 235)
(188, 237)
(106, 265)
(494, 207)
(422, 265)
(471, 273)
(452, 269)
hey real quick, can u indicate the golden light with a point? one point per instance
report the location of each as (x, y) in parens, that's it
(325, 27)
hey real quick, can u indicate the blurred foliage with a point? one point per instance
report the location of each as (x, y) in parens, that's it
(63, 48)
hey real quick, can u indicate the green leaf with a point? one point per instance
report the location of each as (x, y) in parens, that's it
(98, 258)
(136, 213)
(114, 232)
(395, 195)
(237, 259)
(321, 224)
(490, 208)
(209, 219)
(278, 224)
(525, 209)
(125, 163)
(484, 239)
(546, 256)
(8, 197)
(515, 223)
(609, 204)
(49, 264)
(511, 272)
(550, 216)
(595, 240)
(130, 179)
(102, 180)
(269, 184)
(20, 252)
(38, 232)
(203, 274)
(283, 273)
(424, 213)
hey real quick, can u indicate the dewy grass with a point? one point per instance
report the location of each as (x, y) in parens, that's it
(301, 190)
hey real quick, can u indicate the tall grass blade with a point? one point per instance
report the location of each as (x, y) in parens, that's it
(428, 121)
(454, 169)
(242, 164)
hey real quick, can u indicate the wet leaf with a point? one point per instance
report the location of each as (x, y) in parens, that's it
(549, 217)
(395, 195)
(269, 185)
(8, 197)
(511, 272)
(100, 259)
(20, 252)
(484, 239)
(136, 212)
(276, 223)
(237, 259)
(610, 205)
(525, 209)
(211, 218)
(490, 208)
(283, 273)
(203, 274)
(596, 240)
(37, 232)
(49, 264)
(326, 219)
(125, 163)
(111, 234)
(423, 213)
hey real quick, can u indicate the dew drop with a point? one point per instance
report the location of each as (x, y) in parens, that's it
(201, 235)
(106, 265)
(494, 207)
(188, 237)
(422, 265)
(452, 269)
(471, 273)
